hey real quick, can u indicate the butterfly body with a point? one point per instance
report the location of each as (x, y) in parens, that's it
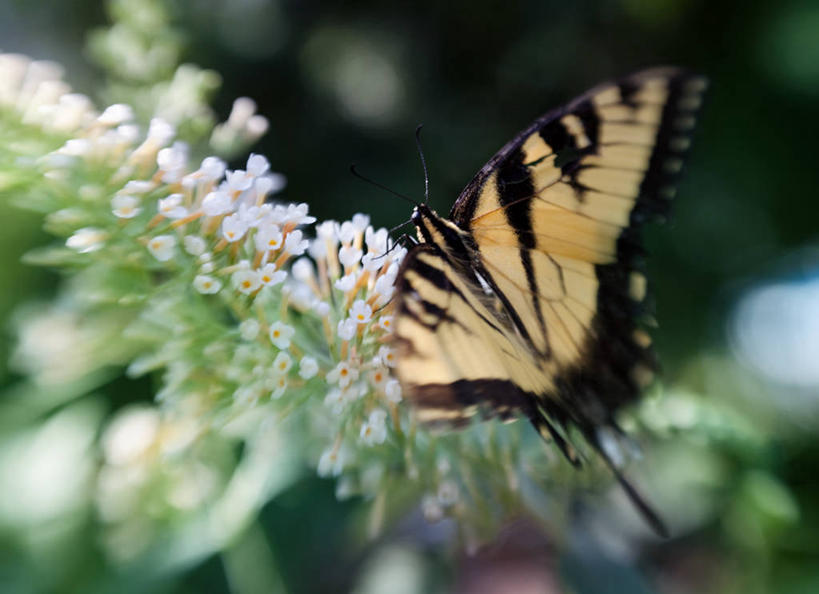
(530, 298)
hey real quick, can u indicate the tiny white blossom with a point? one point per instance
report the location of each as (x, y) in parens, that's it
(322, 308)
(160, 132)
(349, 256)
(308, 367)
(138, 186)
(372, 262)
(335, 400)
(172, 162)
(212, 168)
(346, 329)
(392, 389)
(342, 374)
(361, 312)
(270, 276)
(217, 203)
(194, 245)
(280, 386)
(346, 232)
(297, 214)
(246, 280)
(385, 323)
(360, 222)
(376, 240)
(257, 165)
(346, 282)
(268, 238)
(327, 231)
(207, 268)
(207, 284)
(385, 286)
(233, 227)
(302, 270)
(374, 430)
(238, 180)
(125, 206)
(386, 356)
(246, 395)
(116, 114)
(171, 207)
(331, 462)
(87, 239)
(378, 377)
(162, 246)
(249, 329)
(280, 334)
(282, 363)
(295, 244)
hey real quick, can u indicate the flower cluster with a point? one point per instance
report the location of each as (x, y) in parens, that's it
(244, 312)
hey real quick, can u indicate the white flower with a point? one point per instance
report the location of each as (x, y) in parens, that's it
(246, 281)
(161, 247)
(172, 162)
(302, 270)
(374, 430)
(125, 206)
(297, 214)
(194, 245)
(378, 377)
(268, 184)
(392, 389)
(207, 284)
(237, 181)
(361, 312)
(268, 238)
(280, 386)
(295, 244)
(217, 203)
(376, 240)
(87, 239)
(346, 282)
(282, 363)
(308, 367)
(171, 207)
(246, 395)
(346, 329)
(349, 256)
(385, 323)
(327, 231)
(257, 165)
(233, 227)
(212, 168)
(342, 374)
(372, 262)
(280, 334)
(386, 356)
(346, 232)
(360, 222)
(385, 286)
(270, 276)
(116, 114)
(249, 329)
(331, 462)
(335, 400)
(207, 268)
(160, 132)
(138, 186)
(322, 308)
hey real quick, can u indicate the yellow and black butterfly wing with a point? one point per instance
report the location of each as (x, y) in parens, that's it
(530, 298)
(555, 218)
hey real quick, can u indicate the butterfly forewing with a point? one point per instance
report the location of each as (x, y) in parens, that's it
(531, 298)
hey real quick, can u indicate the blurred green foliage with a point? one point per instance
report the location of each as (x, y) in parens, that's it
(348, 82)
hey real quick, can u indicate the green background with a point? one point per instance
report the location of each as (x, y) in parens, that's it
(347, 82)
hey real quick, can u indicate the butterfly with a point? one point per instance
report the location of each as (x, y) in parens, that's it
(529, 300)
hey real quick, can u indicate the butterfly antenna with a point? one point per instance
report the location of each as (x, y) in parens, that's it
(355, 172)
(423, 162)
